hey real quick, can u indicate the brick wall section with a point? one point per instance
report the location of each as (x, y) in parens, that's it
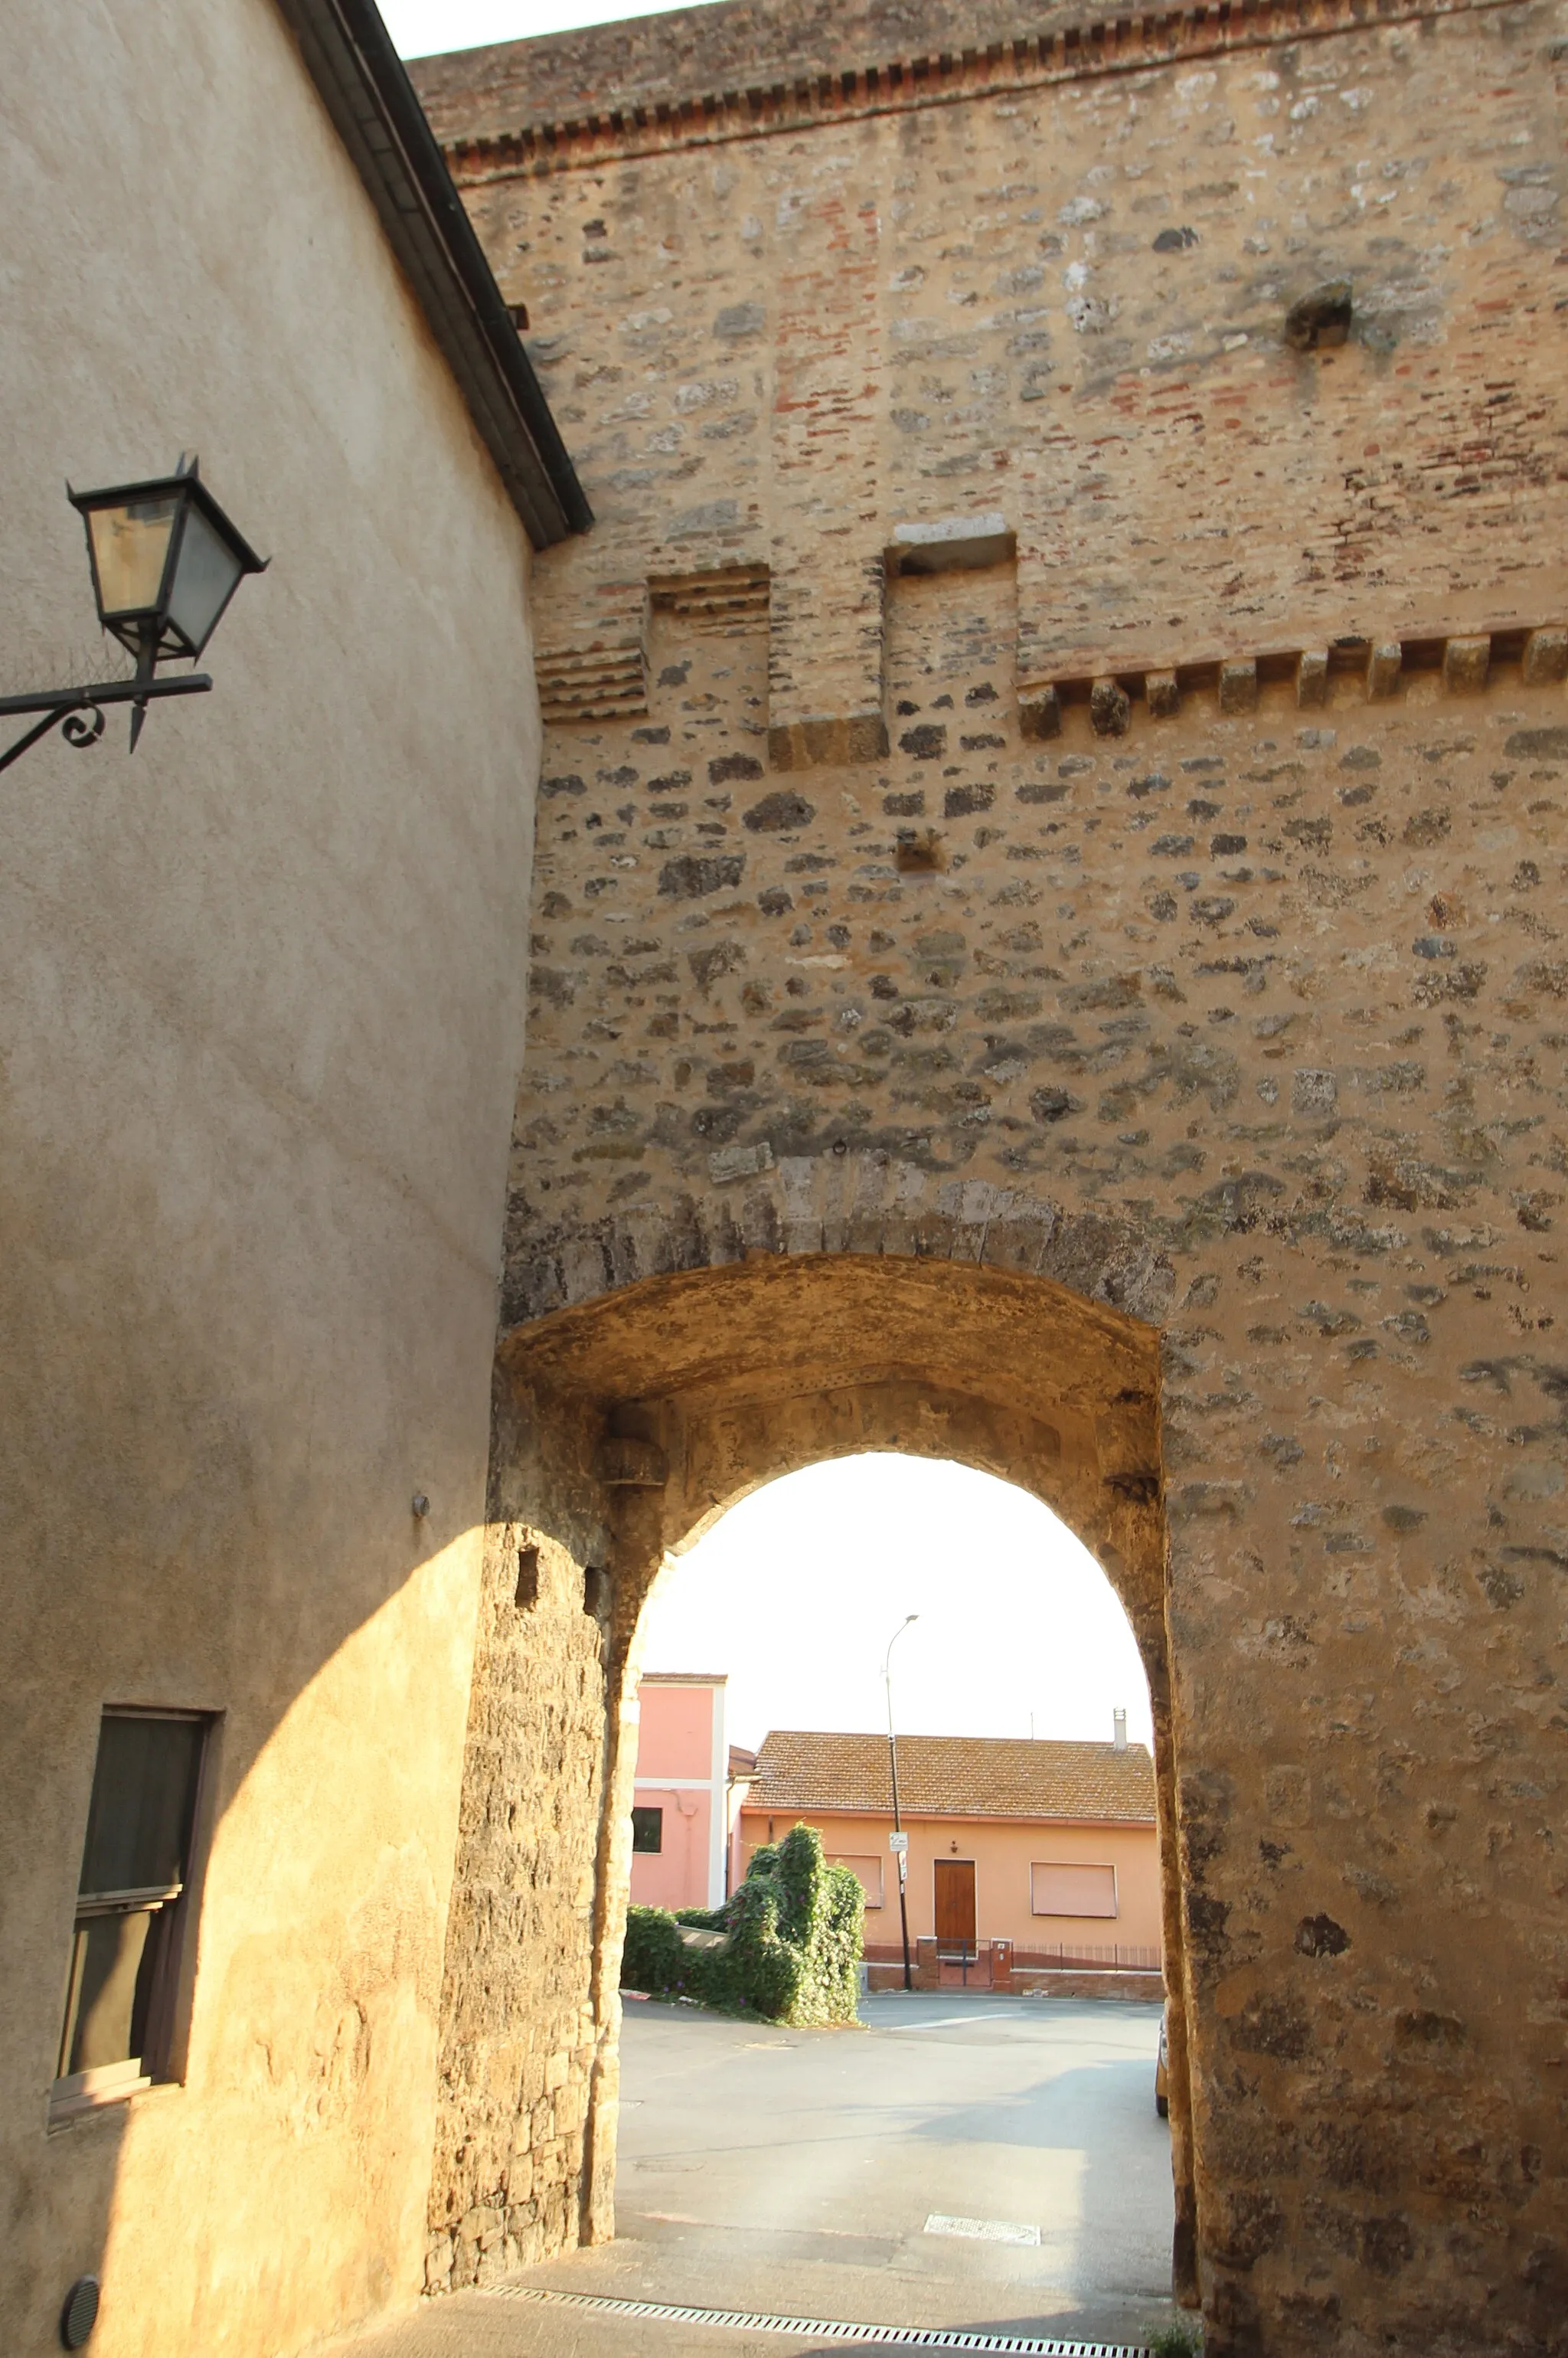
(741, 46)
(1248, 1019)
(1081, 289)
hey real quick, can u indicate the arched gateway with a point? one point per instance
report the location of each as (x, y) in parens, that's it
(964, 1323)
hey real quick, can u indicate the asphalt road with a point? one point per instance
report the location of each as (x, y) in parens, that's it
(808, 2173)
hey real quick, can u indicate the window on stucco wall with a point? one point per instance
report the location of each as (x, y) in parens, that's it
(1062, 1889)
(131, 1915)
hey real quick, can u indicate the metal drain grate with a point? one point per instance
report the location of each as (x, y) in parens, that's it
(831, 2328)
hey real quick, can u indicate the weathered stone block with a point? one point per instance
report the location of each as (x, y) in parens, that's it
(814, 744)
(1313, 1093)
(1545, 657)
(1238, 686)
(1465, 665)
(1312, 678)
(626, 1463)
(1110, 707)
(1162, 692)
(1384, 660)
(1039, 712)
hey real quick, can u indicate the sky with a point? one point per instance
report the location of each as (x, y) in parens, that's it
(796, 1591)
(420, 28)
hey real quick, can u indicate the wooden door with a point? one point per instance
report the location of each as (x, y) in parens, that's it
(956, 1903)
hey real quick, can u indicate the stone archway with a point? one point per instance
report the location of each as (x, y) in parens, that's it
(629, 1415)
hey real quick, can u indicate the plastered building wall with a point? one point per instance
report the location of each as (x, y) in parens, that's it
(1160, 915)
(261, 1022)
(680, 1737)
(1005, 1854)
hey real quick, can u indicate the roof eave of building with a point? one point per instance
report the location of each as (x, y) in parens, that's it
(348, 54)
(755, 1808)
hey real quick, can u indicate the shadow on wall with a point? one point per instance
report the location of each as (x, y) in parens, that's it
(312, 1976)
(309, 2088)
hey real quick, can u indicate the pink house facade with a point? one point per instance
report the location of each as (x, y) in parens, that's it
(680, 1810)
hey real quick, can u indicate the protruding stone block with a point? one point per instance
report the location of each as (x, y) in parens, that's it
(1545, 658)
(626, 1463)
(1465, 664)
(1384, 659)
(1110, 707)
(950, 544)
(1238, 686)
(1164, 695)
(1039, 712)
(1312, 678)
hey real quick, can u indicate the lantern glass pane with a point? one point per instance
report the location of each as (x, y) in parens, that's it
(205, 573)
(129, 546)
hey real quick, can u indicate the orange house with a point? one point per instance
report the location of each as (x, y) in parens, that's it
(1049, 1846)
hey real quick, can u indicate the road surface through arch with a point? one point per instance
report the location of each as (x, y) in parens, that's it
(816, 2175)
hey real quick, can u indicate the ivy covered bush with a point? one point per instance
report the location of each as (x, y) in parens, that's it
(791, 1947)
(653, 1958)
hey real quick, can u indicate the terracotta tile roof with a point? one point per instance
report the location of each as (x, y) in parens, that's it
(954, 1776)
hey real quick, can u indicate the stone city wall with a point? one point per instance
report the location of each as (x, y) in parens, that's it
(1038, 754)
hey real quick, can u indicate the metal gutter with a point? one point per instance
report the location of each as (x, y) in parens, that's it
(371, 101)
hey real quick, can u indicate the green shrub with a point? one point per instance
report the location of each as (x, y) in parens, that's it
(794, 1948)
(655, 1957)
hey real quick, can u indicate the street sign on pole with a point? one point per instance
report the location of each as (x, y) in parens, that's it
(898, 1841)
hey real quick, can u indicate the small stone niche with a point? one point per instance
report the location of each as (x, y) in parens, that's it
(526, 1593)
(1320, 321)
(918, 853)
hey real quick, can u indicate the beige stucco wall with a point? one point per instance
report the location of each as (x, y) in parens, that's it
(259, 992)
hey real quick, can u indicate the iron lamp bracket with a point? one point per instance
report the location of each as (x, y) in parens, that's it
(78, 712)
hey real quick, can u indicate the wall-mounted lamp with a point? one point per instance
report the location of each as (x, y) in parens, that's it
(165, 561)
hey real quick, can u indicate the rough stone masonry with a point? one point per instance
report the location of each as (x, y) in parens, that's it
(1048, 948)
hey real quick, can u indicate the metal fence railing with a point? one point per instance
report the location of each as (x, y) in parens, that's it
(1123, 1956)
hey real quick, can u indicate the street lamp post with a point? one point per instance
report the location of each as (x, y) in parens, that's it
(900, 1839)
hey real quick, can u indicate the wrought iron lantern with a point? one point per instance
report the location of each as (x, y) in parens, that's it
(165, 561)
